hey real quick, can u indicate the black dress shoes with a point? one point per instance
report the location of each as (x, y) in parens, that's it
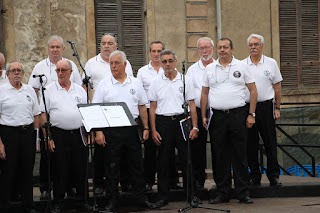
(219, 199)
(44, 195)
(161, 203)
(99, 191)
(148, 187)
(246, 200)
(195, 201)
(255, 182)
(56, 209)
(275, 182)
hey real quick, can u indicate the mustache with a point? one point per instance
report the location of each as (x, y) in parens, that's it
(253, 50)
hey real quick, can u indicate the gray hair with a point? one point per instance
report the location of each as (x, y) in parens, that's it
(157, 42)
(56, 38)
(111, 34)
(260, 37)
(205, 38)
(119, 52)
(8, 65)
(168, 52)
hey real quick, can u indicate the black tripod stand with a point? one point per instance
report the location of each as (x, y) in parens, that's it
(87, 83)
(48, 136)
(193, 200)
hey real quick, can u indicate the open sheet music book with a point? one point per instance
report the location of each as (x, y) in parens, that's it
(96, 116)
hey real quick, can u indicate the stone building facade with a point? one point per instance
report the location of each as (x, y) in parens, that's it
(28, 23)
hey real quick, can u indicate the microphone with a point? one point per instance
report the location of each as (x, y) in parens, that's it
(70, 42)
(39, 76)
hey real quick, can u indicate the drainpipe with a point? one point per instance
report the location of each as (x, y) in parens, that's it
(218, 5)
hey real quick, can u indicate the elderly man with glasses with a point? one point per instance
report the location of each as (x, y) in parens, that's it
(196, 72)
(268, 81)
(19, 116)
(166, 100)
(46, 68)
(68, 151)
(97, 69)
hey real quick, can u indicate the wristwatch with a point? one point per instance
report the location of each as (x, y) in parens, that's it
(253, 114)
(197, 129)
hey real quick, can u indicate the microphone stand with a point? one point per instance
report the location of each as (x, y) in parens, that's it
(86, 81)
(193, 200)
(47, 126)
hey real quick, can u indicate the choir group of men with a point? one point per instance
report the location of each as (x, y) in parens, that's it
(237, 102)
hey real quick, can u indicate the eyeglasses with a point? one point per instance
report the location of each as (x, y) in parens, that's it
(62, 70)
(254, 44)
(204, 48)
(16, 70)
(166, 61)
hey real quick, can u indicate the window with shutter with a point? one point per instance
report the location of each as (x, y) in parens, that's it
(299, 43)
(124, 18)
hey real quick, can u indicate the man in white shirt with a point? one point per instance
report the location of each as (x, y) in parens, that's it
(146, 74)
(69, 157)
(46, 68)
(97, 69)
(120, 141)
(268, 82)
(3, 76)
(19, 116)
(224, 85)
(196, 72)
(166, 100)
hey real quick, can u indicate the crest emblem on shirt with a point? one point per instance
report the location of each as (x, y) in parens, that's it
(29, 98)
(181, 89)
(266, 72)
(132, 91)
(236, 74)
(78, 99)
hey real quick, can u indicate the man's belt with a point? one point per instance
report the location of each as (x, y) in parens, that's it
(264, 102)
(172, 117)
(228, 111)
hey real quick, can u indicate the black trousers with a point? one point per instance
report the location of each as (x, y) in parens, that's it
(229, 142)
(171, 134)
(20, 146)
(150, 162)
(265, 126)
(121, 141)
(198, 151)
(100, 172)
(69, 161)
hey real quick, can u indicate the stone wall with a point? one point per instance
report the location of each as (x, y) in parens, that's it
(29, 23)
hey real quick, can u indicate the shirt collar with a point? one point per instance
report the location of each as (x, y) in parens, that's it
(150, 67)
(100, 59)
(23, 87)
(178, 76)
(115, 81)
(59, 87)
(249, 62)
(231, 63)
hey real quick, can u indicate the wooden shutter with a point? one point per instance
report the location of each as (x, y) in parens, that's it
(299, 43)
(124, 18)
